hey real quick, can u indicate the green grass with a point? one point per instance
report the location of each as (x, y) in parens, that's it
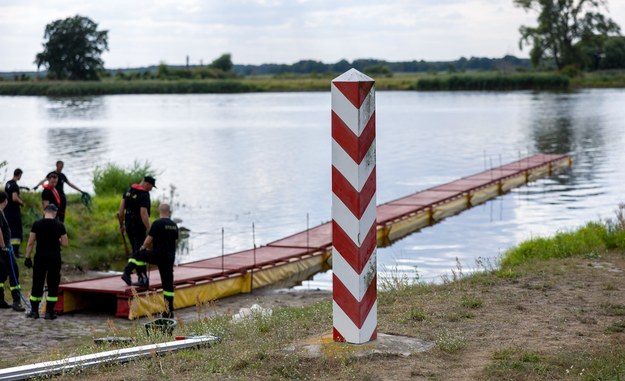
(590, 240)
(94, 239)
(523, 364)
(471, 302)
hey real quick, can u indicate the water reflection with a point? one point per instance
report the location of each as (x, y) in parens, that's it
(86, 144)
(76, 108)
(265, 159)
(554, 136)
(559, 125)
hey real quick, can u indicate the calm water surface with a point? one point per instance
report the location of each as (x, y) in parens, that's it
(231, 161)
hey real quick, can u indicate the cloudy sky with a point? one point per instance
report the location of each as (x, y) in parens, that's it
(275, 31)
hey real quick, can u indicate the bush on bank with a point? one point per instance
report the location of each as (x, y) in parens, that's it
(113, 179)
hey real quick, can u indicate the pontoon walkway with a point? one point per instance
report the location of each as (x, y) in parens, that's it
(305, 253)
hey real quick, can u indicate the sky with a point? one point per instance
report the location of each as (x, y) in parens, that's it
(143, 33)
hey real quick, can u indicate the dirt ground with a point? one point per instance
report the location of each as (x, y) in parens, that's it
(24, 338)
(549, 308)
(555, 308)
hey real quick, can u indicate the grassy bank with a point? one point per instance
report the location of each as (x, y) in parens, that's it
(553, 310)
(600, 79)
(59, 89)
(94, 239)
(479, 81)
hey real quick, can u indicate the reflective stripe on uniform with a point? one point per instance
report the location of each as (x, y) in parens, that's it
(16, 288)
(138, 263)
(168, 293)
(1, 285)
(16, 241)
(35, 299)
(52, 299)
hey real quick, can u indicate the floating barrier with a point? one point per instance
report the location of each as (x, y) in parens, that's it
(307, 252)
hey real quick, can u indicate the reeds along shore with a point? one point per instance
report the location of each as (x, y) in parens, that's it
(496, 82)
(478, 81)
(80, 88)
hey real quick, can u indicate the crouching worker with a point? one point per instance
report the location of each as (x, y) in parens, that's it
(50, 235)
(161, 239)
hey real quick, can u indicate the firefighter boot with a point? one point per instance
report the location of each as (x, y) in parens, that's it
(143, 281)
(128, 272)
(17, 305)
(50, 315)
(3, 303)
(34, 310)
(169, 312)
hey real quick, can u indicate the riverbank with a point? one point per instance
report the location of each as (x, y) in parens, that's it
(486, 81)
(549, 313)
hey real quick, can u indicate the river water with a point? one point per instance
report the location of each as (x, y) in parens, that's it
(258, 165)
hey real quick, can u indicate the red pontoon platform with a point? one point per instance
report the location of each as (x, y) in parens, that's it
(305, 252)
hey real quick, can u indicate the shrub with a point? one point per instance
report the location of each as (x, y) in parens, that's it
(112, 179)
(571, 71)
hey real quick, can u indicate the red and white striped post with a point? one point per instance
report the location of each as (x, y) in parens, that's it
(354, 240)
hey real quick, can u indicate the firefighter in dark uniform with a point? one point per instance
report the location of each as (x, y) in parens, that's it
(161, 240)
(50, 195)
(8, 264)
(49, 233)
(13, 213)
(62, 180)
(134, 217)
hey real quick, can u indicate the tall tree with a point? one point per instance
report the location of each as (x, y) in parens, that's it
(562, 26)
(223, 63)
(72, 49)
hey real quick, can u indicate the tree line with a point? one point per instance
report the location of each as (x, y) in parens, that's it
(375, 66)
(569, 35)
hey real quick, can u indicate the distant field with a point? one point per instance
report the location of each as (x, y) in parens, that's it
(474, 81)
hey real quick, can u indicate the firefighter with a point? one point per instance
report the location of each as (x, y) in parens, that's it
(50, 235)
(59, 186)
(8, 265)
(50, 195)
(161, 240)
(134, 217)
(13, 213)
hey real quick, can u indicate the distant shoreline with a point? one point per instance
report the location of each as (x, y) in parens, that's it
(476, 81)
